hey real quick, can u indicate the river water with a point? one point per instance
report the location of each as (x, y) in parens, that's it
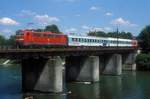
(131, 85)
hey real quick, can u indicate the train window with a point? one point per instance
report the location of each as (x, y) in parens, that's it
(79, 40)
(86, 40)
(19, 33)
(73, 39)
(82, 40)
(36, 35)
(76, 39)
(110, 41)
(90, 40)
(51, 36)
(113, 42)
(45, 35)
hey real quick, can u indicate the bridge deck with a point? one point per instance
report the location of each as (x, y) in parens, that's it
(63, 51)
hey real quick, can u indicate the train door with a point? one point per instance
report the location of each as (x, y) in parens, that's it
(104, 42)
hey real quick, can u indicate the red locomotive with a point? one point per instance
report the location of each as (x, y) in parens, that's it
(32, 38)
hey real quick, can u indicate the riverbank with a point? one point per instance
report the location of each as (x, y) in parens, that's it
(143, 62)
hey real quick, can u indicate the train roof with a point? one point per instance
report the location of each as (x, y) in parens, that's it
(43, 32)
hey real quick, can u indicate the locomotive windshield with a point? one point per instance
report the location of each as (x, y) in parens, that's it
(19, 33)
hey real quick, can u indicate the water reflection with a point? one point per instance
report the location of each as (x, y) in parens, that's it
(84, 91)
(10, 82)
(111, 88)
(131, 85)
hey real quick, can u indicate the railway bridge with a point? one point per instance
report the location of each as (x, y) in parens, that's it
(43, 69)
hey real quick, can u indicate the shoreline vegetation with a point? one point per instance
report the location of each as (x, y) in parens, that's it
(143, 62)
(143, 59)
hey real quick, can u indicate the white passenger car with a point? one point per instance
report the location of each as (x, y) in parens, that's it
(98, 41)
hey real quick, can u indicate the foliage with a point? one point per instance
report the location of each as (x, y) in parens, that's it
(6, 42)
(2, 40)
(144, 38)
(11, 40)
(143, 61)
(125, 35)
(98, 33)
(39, 30)
(52, 28)
(49, 28)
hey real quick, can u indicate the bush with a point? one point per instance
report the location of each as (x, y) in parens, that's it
(143, 61)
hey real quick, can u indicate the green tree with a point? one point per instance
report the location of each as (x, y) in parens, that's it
(2, 40)
(39, 30)
(144, 38)
(124, 35)
(143, 61)
(52, 28)
(11, 41)
(97, 33)
(129, 35)
(113, 34)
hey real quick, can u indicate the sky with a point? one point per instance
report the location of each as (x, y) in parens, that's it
(74, 16)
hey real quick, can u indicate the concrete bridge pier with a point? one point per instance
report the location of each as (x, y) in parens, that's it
(43, 75)
(82, 68)
(129, 61)
(113, 64)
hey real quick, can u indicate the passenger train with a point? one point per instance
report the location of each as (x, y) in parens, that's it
(26, 38)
